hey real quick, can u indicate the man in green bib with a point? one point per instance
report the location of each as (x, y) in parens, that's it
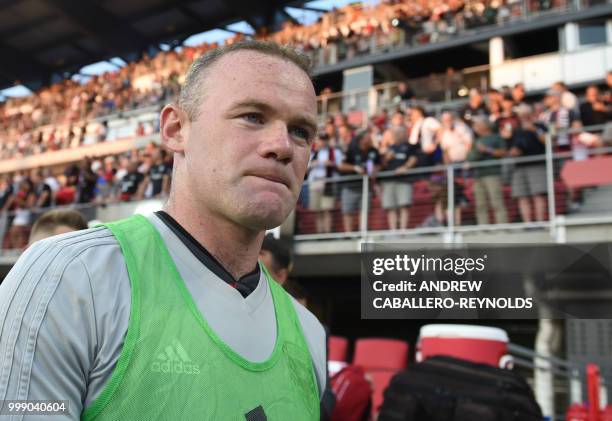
(170, 316)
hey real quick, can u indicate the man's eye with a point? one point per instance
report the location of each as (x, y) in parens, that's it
(300, 133)
(253, 118)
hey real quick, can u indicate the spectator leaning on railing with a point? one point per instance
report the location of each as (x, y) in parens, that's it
(529, 178)
(156, 183)
(487, 179)
(423, 132)
(361, 159)
(455, 139)
(594, 110)
(607, 95)
(128, 185)
(322, 192)
(22, 204)
(42, 190)
(559, 119)
(397, 190)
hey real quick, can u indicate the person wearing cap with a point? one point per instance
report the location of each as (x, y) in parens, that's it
(170, 315)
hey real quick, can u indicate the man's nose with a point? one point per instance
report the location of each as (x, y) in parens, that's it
(277, 143)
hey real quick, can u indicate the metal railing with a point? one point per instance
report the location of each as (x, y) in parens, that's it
(442, 91)
(118, 126)
(568, 377)
(443, 185)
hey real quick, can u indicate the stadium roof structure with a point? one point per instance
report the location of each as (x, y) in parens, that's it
(42, 38)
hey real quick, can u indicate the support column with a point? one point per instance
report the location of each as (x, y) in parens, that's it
(570, 38)
(496, 51)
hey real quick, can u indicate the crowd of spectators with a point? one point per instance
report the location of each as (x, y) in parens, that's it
(356, 29)
(490, 126)
(498, 124)
(60, 116)
(135, 175)
(64, 115)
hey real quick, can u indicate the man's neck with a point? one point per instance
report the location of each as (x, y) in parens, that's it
(235, 248)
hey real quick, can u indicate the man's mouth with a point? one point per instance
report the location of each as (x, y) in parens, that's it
(272, 177)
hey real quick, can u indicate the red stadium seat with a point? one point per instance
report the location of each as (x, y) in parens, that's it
(381, 354)
(338, 348)
(381, 359)
(380, 381)
(587, 173)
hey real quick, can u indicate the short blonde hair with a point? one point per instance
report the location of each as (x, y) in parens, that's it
(192, 89)
(57, 217)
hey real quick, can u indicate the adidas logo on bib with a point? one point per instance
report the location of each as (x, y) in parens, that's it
(174, 360)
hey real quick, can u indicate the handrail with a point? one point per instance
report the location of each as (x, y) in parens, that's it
(527, 352)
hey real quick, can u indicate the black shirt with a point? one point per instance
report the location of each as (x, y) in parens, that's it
(402, 153)
(87, 186)
(590, 117)
(156, 177)
(40, 189)
(360, 158)
(468, 113)
(528, 143)
(5, 194)
(513, 121)
(129, 183)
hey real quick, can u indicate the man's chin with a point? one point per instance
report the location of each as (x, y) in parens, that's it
(262, 223)
(263, 210)
(265, 217)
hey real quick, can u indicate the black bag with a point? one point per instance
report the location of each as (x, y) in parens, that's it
(449, 389)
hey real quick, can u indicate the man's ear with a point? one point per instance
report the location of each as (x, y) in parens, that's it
(282, 276)
(173, 126)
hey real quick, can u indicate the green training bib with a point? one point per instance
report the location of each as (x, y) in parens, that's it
(173, 366)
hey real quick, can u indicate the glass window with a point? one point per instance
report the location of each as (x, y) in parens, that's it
(592, 33)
